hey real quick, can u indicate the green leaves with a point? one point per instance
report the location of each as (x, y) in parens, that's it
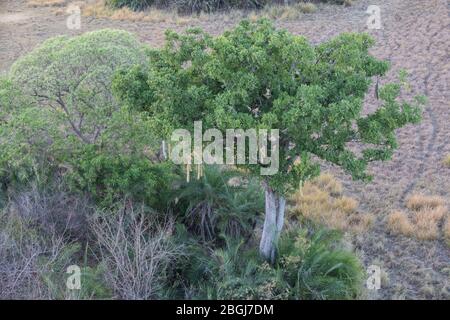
(60, 118)
(256, 76)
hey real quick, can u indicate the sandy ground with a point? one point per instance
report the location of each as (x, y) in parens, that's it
(415, 36)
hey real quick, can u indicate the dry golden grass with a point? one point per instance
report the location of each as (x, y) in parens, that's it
(447, 161)
(322, 202)
(100, 10)
(346, 204)
(399, 223)
(419, 201)
(329, 184)
(46, 3)
(425, 227)
(428, 212)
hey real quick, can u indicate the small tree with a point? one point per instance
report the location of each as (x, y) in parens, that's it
(58, 116)
(255, 76)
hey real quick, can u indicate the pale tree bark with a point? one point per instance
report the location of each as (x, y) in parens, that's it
(273, 224)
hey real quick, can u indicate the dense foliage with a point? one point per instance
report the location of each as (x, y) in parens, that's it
(62, 119)
(84, 180)
(312, 265)
(258, 77)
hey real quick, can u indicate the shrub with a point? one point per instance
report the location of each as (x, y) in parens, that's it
(136, 251)
(25, 256)
(310, 266)
(67, 122)
(321, 201)
(420, 201)
(211, 206)
(316, 267)
(399, 223)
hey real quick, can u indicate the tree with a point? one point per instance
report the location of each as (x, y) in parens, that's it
(59, 115)
(256, 76)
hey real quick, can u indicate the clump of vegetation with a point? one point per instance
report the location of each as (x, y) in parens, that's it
(421, 201)
(136, 251)
(197, 6)
(447, 160)
(211, 206)
(427, 214)
(399, 223)
(68, 123)
(321, 201)
(88, 115)
(311, 265)
(256, 76)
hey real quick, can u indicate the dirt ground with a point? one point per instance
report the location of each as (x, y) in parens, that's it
(415, 36)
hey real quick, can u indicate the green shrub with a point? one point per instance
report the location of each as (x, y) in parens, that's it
(212, 205)
(68, 123)
(311, 265)
(316, 267)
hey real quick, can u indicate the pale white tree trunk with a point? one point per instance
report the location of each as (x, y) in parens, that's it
(273, 224)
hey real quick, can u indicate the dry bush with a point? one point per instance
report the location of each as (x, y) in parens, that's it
(286, 12)
(38, 234)
(322, 202)
(54, 211)
(399, 223)
(419, 201)
(27, 258)
(136, 251)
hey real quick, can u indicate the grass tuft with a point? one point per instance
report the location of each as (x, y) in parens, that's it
(420, 201)
(399, 223)
(322, 202)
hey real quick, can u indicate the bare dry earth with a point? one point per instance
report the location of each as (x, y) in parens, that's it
(415, 36)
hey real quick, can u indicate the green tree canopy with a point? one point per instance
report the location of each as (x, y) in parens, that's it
(59, 115)
(256, 76)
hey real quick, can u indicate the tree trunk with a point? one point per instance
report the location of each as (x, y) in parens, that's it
(273, 223)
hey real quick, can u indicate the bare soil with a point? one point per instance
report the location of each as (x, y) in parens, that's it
(414, 36)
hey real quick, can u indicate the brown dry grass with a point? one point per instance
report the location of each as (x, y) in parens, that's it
(423, 224)
(322, 202)
(419, 201)
(100, 10)
(399, 223)
(46, 3)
